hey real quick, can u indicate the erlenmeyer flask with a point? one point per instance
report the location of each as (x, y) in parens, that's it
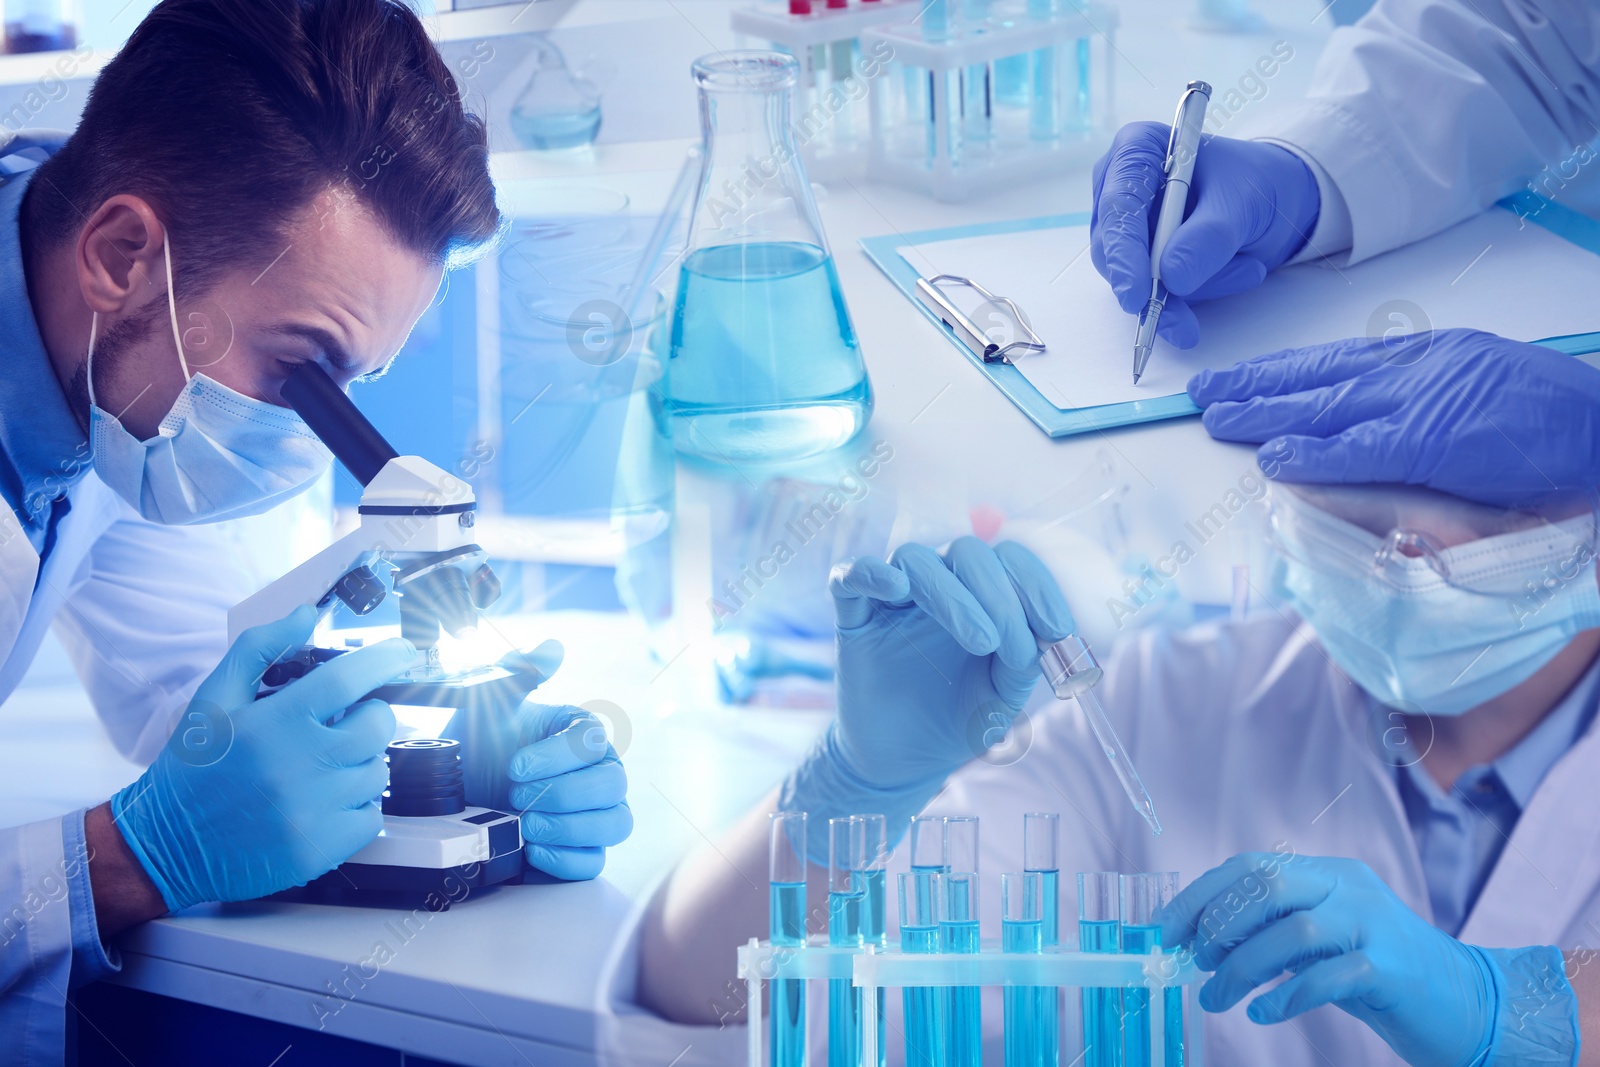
(763, 362)
(557, 108)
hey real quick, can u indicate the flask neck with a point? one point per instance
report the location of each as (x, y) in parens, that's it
(753, 186)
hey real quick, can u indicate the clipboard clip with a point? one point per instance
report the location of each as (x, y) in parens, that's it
(934, 299)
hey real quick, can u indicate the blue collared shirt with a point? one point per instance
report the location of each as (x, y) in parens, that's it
(1461, 834)
(43, 451)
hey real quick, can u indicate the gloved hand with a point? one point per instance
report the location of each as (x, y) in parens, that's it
(1346, 939)
(936, 656)
(1459, 411)
(280, 795)
(1252, 207)
(555, 767)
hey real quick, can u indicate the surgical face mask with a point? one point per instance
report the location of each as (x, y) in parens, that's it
(218, 454)
(1417, 641)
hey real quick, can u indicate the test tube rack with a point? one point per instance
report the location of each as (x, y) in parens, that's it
(831, 118)
(869, 969)
(932, 132)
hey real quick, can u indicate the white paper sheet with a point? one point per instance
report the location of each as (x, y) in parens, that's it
(1489, 273)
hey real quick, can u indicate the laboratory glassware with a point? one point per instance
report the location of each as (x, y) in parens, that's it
(958, 933)
(1072, 671)
(764, 363)
(961, 843)
(557, 108)
(925, 1037)
(1143, 896)
(787, 921)
(1032, 1034)
(1100, 930)
(870, 861)
(845, 898)
(927, 843)
(1040, 835)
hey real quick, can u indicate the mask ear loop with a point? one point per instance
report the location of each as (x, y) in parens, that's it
(88, 368)
(172, 311)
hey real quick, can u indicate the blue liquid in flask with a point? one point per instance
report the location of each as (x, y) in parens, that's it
(764, 363)
(546, 130)
(788, 1023)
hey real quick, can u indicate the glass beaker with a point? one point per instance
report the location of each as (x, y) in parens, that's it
(763, 364)
(557, 108)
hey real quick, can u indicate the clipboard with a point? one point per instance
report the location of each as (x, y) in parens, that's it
(1064, 422)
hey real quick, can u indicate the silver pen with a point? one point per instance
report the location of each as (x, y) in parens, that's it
(1182, 146)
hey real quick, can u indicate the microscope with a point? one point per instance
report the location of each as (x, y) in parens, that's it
(415, 544)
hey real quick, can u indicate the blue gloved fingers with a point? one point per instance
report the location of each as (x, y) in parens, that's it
(589, 789)
(237, 678)
(941, 594)
(1178, 325)
(1290, 370)
(1125, 188)
(361, 735)
(364, 783)
(345, 679)
(1346, 977)
(578, 829)
(1291, 943)
(339, 836)
(568, 864)
(1368, 453)
(1241, 274)
(1211, 910)
(1320, 412)
(980, 570)
(568, 739)
(856, 583)
(1043, 603)
(1203, 244)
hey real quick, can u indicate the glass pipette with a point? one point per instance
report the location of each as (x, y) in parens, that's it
(1073, 672)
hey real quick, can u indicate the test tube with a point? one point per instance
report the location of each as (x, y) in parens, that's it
(958, 933)
(1044, 115)
(1143, 895)
(919, 933)
(961, 844)
(1032, 1035)
(786, 873)
(845, 897)
(927, 843)
(1040, 833)
(1099, 930)
(975, 85)
(870, 858)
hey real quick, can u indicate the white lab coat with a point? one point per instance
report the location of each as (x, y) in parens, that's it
(142, 610)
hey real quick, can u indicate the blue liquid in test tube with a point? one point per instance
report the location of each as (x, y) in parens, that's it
(787, 927)
(1044, 116)
(1031, 1039)
(958, 932)
(845, 898)
(1040, 832)
(870, 858)
(1099, 930)
(924, 1005)
(1142, 897)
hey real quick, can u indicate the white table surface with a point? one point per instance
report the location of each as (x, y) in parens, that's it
(515, 977)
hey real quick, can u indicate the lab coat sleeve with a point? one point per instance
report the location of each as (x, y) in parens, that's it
(49, 942)
(1426, 112)
(147, 620)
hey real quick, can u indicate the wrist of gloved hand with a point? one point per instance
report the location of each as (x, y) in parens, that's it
(149, 847)
(825, 787)
(1535, 1021)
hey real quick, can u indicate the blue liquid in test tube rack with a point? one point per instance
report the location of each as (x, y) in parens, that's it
(1143, 895)
(870, 858)
(926, 1045)
(1044, 116)
(845, 898)
(958, 932)
(1040, 833)
(787, 927)
(1099, 930)
(1031, 1040)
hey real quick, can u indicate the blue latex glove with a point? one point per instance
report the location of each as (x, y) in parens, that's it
(1346, 939)
(1460, 411)
(936, 656)
(1252, 205)
(278, 795)
(554, 765)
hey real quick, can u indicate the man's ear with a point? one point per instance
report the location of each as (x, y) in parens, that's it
(119, 257)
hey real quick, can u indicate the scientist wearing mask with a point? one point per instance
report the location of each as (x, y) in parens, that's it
(254, 184)
(1390, 781)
